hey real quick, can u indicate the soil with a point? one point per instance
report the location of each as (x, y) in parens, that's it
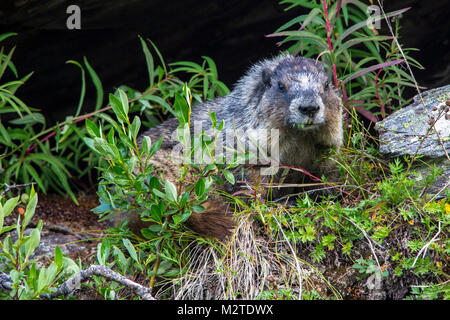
(74, 228)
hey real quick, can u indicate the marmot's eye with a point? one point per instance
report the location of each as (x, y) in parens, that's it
(281, 86)
(327, 84)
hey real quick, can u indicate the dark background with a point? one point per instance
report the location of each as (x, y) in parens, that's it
(231, 32)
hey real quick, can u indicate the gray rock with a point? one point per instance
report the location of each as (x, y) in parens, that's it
(407, 131)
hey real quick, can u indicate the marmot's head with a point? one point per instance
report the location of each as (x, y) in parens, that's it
(295, 95)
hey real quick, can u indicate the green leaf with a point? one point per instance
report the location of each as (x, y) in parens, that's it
(311, 16)
(6, 138)
(149, 61)
(124, 100)
(156, 146)
(352, 42)
(92, 129)
(97, 83)
(83, 86)
(70, 267)
(6, 229)
(106, 117)
(58, 257)
(181, 109)
(122, 262)
(6, 62)
(32, 243)
(155, 212)
(7, 209)
(32, 277)
(130, 248)
(213, 119)
(7, 35)
(180, 218)
(29, 169)
(160, 194)
(9, 205)
(171, 191)
(155, 228)
(42, 280)
(146, 145)
(135, 126)
(221, 125)
(103, 251)
(31, 206)
(118, 108)
(90, 143)
(159, 101)
(126, 140)
(328, 241)
(200, 187)
(198, 208)
(229, 176)
(50, 273)
(31, 118)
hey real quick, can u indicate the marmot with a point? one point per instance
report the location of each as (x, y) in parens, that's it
(287, 93)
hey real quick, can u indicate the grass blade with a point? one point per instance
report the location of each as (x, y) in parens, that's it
(97, 83)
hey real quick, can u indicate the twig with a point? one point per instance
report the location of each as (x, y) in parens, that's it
(74, 282)
(425, 247)
(369, 240)
(440, 191)
(14, 186)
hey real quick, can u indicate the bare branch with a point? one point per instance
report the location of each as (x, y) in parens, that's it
(425, 247)
(74, 282)
(14, 186)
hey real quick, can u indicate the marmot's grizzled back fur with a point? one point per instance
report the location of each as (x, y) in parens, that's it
(291, 94)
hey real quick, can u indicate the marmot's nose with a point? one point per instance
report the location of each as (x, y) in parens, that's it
(309, 110)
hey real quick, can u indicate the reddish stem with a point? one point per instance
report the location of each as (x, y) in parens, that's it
(330, 47)
(383, 114)
(81, 118)
(42, 140)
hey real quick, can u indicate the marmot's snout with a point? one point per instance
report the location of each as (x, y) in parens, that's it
(309, 110)
(306, 111)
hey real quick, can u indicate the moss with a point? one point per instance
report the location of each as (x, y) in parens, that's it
(406, 125)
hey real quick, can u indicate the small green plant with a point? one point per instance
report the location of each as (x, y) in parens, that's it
(28, 280)
(129, 183)
(21, 160)
(368, 267)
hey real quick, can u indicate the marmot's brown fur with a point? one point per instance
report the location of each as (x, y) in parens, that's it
(291, 94)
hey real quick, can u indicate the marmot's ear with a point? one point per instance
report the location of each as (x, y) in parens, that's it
(266, 76)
